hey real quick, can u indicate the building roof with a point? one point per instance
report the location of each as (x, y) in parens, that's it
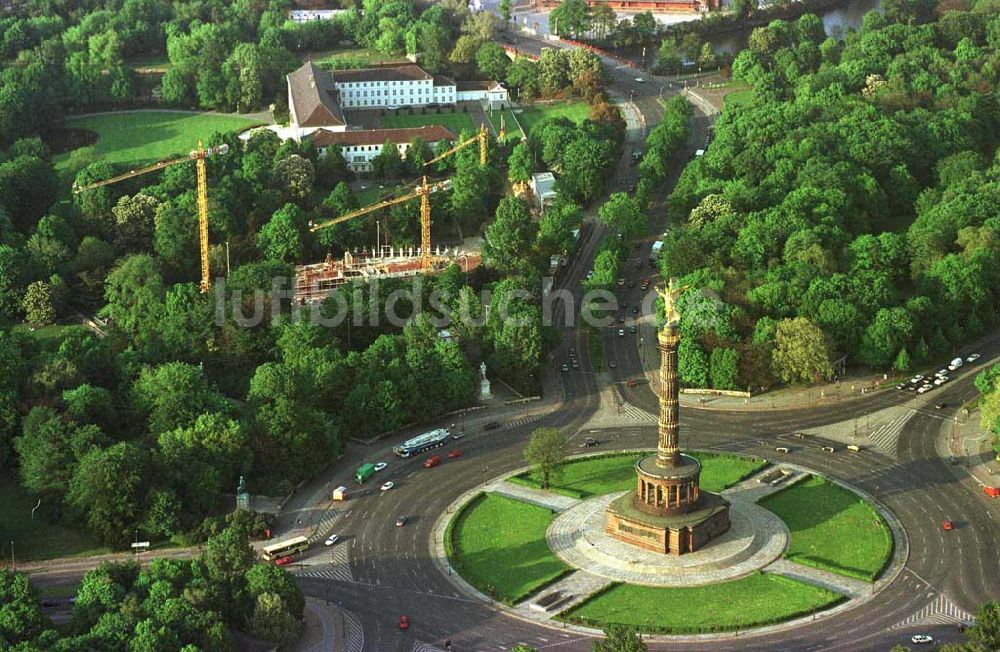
(404, 72)
(472, 85)
(431, 134)
(441, 80)
(314, 97)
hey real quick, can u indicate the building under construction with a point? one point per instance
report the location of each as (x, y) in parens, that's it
(314, 283)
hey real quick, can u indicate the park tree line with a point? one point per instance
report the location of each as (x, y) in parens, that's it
(848, 210)
(171, 604)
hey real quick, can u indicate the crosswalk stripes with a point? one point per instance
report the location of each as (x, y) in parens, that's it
(630, 411)
(419, 646)
(941, 611)
(517, 423)
(321, 531)
(339, 567)
(886, 437)
(353, 632)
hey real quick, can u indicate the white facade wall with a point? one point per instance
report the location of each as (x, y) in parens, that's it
(493, 98)
(381, 94)
(359, 157)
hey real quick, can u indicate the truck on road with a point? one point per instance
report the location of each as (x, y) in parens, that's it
(364, 472)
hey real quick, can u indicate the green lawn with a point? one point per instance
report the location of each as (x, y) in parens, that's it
(37, 538)
(159, 63)
(498, 545)
(754, 600)
(607, 474)
(54, 333)
(373, 193)
(832, 528)
(455, 122)
(133, 138)
(513, 134)
(739, 98)
(530, 116)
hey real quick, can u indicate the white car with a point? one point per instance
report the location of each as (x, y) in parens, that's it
(921, 638)
(941, 372)
(940, 380)
(925, 389)
(388, 485)
(640, 80)
(621, 332)
(972, 358)
(952, 367)
(334, 538)
(916, 379)
(380, 466)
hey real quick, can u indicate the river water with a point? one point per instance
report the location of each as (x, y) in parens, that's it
(837, 21)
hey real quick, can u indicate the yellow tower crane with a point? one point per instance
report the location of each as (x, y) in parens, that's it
(423, 191)
(199, 155)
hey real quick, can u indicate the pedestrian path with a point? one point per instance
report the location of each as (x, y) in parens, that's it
(630, 411)
(534, 496)
(354, 633)
(940, 611)
(886, 437)
(832, 581)
(339, 567)
(572, 590)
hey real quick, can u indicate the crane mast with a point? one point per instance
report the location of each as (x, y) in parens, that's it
(198, 156)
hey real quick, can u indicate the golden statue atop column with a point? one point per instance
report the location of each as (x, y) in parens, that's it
(668, 513)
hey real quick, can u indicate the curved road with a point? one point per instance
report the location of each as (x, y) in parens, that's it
(392, 572)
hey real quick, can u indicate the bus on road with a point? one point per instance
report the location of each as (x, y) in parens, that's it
(285, 548)
(426, 441)
(364, 472)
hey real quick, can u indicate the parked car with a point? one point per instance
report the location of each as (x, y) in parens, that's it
(492, 425)
(972, 357)
(631, 329)
(380, 466)
(458, 435)
(993, 492)
(334, 538)
(640, 80)
(388, 485)
(612, 364)
(940, 406)
(455, 453)
(400, 521)
(621, 332)
(565, 368)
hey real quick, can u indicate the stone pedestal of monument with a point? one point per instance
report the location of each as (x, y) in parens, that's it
(485, 393)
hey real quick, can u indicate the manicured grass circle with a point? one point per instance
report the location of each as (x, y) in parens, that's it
(498, 545)
(751, 601)
(605, 474)
(832, 528)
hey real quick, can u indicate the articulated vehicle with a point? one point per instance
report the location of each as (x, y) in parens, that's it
(424, 442)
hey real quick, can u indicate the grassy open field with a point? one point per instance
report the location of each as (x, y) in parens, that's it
(513, 134)
(530, 116)
(754, 600)
(133, 138)
(453, 121)
(373, 192)
(36, 538)
(832, 528)
(607, 474)
(498, 545)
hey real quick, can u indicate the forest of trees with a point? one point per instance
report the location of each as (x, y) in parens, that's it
(170, 604)
(851, 208)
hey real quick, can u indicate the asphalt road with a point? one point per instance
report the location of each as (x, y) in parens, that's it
(391, 568)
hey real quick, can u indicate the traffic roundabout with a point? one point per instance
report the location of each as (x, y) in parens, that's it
(569, 573)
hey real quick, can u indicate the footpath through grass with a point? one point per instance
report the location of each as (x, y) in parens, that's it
(455, 122)
(146, 137)
(832, 528)
(36, 539)
(606, 474)
(497, 544)
(751, 601)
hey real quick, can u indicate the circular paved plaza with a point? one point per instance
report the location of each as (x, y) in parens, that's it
(755, 539)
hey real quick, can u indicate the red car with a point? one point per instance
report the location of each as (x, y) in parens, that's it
(404, 622)
(283, 561)
(946, 525)
(631, 382)
(432, 461)
(991, 491)
(455, 453)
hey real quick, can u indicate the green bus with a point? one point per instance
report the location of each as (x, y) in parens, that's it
(365, 471)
